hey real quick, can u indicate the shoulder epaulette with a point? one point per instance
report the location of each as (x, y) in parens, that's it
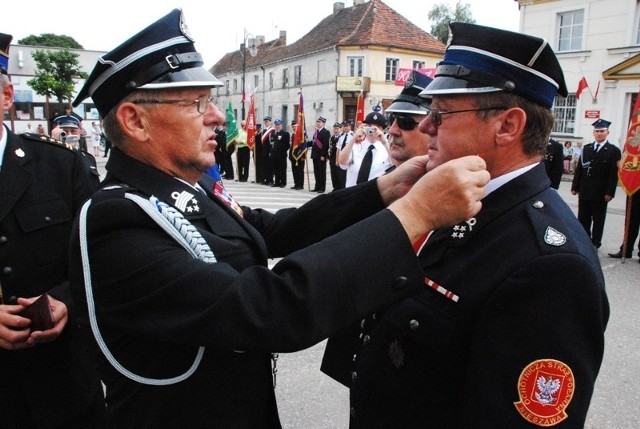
(45, 139)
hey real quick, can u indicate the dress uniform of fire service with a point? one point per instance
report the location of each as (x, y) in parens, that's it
(187, 342)
(43, 183)
(509, 330)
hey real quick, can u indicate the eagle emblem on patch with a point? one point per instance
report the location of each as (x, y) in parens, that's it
(554, 237)
(545, 388)
(185, 202)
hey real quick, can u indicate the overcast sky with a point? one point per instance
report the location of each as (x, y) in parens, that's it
(217, 27)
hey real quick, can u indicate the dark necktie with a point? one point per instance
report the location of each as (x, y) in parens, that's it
(365, 167)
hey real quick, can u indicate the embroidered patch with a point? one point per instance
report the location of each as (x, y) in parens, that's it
(545, 388)
(459, 230)
(185, 202)
(554, 237)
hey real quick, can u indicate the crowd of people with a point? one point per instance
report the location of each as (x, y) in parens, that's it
(472, 296)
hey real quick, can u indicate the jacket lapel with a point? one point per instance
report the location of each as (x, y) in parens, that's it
(16, 173)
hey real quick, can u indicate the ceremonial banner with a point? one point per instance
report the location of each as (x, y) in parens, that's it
(232, 126)
(251, 123)
(360, 110)
(629, 171)
(299, 146)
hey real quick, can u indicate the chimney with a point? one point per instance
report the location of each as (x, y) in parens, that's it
(358, 2)
(283, 37)
(259, 40)
(338, 6)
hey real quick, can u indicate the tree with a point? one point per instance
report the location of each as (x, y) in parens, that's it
(51, 40)
(55, 73)
(441, 15)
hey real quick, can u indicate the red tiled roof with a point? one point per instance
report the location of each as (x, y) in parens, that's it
(369, 24)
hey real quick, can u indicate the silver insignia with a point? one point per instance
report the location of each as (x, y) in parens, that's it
(20, 153)
(554, 237)
(185, 202)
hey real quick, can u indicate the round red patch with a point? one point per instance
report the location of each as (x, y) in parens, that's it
(545, 388)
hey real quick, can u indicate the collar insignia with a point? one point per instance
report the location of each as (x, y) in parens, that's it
(185, 202)
(554, 237)
(460, 229)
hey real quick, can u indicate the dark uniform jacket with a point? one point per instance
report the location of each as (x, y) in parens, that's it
(520, 328)
(321, 150)
(42, 185)
(554, 162)
(596, 174)
(280, 142)
(156, 305)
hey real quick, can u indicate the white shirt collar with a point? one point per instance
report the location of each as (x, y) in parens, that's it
(501, 180)
(3, 144)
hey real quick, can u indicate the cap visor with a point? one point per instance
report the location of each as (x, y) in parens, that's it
(405, 107)
(450, 85)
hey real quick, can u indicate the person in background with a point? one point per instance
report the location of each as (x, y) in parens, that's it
(509, 329)
(243, 153)
(553, 162)
(632, 231)
(41, 131)
(347, 134)
(171, 272)
(265, 139)
(404, 116)
(297, 158)
(567, 156)
(577, 154)
(280, 143)
(595, 181)
(368, 148)
(71, 129)
(320, 154)
(338, 175)
(49, 379)
(96, 133)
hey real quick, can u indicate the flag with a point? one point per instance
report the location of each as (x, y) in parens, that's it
(232, 126)
(629, 171)
(581, 86)
(360, 109)
(251, 123)
(299, 147)
(595, 97)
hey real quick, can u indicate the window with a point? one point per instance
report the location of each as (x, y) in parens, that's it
(270, 80)
(226, 86)
(354, 65)
(418, 64)
(256, 81)
(297, 75)
(391, 71)
(285, 78)
(571, 31)
(235, 86)
(564, 114)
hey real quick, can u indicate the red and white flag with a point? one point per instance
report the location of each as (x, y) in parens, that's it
(629, 171)
(581, 87)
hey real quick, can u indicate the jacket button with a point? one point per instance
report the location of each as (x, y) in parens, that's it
(400, 283)
(3, 239)
(414, 324)
(47, 219)
(362, 323)
(538, 204)
(7, 270)
(354, 377)
(366, 340)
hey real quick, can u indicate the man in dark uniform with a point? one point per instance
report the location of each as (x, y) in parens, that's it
(48, 379)
(334, 169)
(70, 126)
(553, 162)
(509, 331)
(297, 158)
(634, 228)
(320, 154)
(265, 140)
(173, 274)
(347, 134)
(280, 142)
(595, 181)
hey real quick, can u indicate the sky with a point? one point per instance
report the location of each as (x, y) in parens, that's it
(217, 27)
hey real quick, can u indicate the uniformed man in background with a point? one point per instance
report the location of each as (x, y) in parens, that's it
(70, 127)
(48, 379)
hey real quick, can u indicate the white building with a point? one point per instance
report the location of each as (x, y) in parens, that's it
(600, 41)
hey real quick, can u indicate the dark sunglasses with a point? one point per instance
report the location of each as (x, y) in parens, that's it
(405, 123)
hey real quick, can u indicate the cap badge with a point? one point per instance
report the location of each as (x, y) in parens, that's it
(184, 29)
(554, 237)
(185, 202)
(19, 153)
(545, 388)
(410, 81)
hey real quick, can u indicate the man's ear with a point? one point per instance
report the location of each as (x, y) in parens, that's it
(510, 126)
(8, 96)
(133, 121)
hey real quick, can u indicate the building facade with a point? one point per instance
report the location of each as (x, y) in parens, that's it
(364, 48)
(598, 42)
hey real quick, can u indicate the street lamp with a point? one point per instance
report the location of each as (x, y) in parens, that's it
(253, 50)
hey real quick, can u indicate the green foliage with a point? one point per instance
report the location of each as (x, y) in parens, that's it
(51, 40)
(55, 73)
(441, 15)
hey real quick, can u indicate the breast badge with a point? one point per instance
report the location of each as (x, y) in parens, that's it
(554, 237)
(545, 388)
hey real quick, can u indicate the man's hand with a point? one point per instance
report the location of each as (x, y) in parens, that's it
(446, 195)
(397, 183)
(14, 329)
(60, 317)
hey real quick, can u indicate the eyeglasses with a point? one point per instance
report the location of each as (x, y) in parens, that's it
(201, 103)
(436, 115)
(405, 123)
